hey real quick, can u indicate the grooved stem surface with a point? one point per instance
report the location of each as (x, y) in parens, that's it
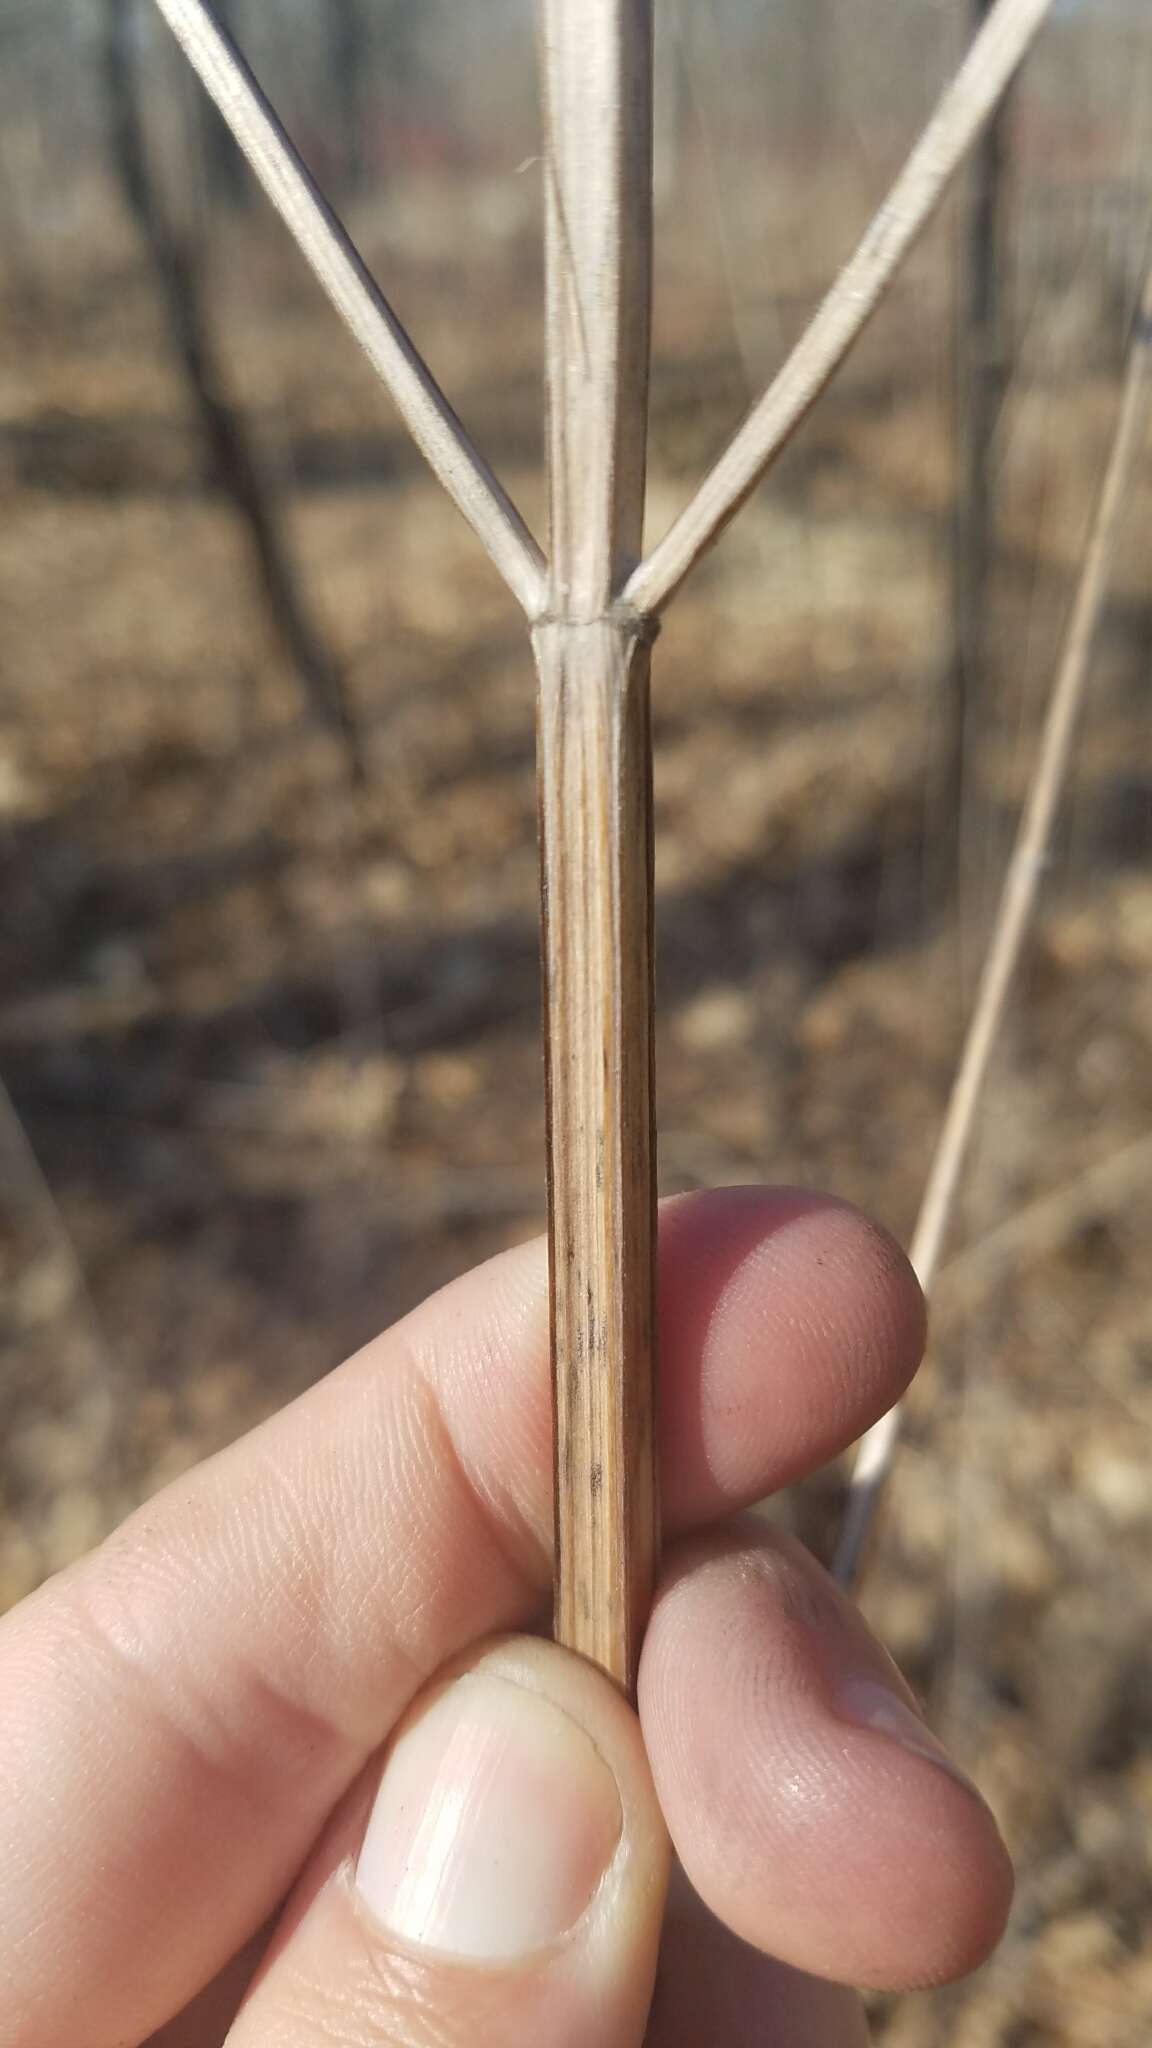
(596, 854)
(595, 821)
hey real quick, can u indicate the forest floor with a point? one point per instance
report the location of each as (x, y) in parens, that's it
(270, 1041)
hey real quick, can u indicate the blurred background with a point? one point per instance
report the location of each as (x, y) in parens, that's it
(268, 953)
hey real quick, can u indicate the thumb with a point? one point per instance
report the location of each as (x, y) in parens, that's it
(500, 1881)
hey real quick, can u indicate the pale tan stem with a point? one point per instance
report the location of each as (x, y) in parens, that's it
(994, 56)
(1017, 903)
(1029, 1232)
(596, 822)
(596, 850)
(341, 271)
(596, 63)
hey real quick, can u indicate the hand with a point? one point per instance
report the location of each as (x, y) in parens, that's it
(198, 1835)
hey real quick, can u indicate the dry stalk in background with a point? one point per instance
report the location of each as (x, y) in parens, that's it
(1103, 1187)
(1013, 916)
(592, 613)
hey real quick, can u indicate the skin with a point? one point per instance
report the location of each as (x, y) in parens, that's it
(195, 1716)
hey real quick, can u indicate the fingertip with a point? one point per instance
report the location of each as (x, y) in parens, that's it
(788, 1323)
(820, 1824)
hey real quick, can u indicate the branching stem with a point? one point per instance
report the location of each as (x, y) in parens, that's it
(593, 612)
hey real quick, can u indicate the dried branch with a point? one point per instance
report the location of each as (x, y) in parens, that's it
(981, 363)
(341, 271)
(965, 106)
(596, 824)
(1014, 913)
(1041, 1225)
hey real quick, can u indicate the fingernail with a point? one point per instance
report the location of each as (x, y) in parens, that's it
(869, 1703)
(495, 1821)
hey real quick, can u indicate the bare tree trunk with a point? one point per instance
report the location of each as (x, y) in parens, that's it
(349, 55)
(24, 292)
(815, 80)
(225, 172)
(982, 362)
(230, 450)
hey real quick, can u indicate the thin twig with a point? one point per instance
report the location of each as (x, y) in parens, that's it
(966, 104)
(1014, 913)
(1034, 1229)
(357, 297)
(596, 824)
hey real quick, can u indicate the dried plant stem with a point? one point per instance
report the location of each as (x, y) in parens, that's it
(592, 611)
(595, 812)
(1017, 904)
(358, 299)
(1029, 1232)
(596, 823)
(994, 56)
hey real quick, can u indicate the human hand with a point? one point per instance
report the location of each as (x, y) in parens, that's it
(193, 1717)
